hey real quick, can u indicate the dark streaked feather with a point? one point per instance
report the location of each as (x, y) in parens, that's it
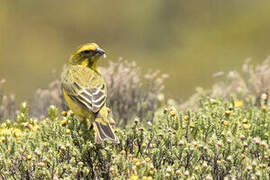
(91, 99)
(77, 86)
(105, 132)
(100, 131)
(99, 103)
(77, 101)
(97, 96)
(86, 95)
(103, 87)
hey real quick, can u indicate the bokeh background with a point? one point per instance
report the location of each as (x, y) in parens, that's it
(189, 40)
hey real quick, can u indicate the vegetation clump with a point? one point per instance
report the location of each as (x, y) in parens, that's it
(223, 137)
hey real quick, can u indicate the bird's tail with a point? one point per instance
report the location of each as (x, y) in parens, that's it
(104, 131)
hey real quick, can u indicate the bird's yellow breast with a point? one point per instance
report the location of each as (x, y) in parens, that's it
(92, 65)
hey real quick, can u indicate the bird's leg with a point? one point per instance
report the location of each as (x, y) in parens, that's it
(79, 127)
(81, 121)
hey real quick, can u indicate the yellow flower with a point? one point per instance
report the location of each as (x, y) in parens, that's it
(186, 118)
(18, 133)
(2, 139)
(172, 113)
(244, 121)
(134, 177)
(3, 125)
(238, 103)
(64, 113)
(41, 164)
(135, 160)
(28, 157)
(227, 113)
(263, 107)
(147, 159)
(147, 178)
(144, 178)
(225, 123)
(70, 113)
(68, 131)
(123, 152)
(64, 122)
(35, 127)
(6, 131)
(219, 162)
(245, 126)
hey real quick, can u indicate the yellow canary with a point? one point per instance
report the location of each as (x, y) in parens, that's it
(85, 90)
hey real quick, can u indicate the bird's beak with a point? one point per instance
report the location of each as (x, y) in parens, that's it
(100, 51)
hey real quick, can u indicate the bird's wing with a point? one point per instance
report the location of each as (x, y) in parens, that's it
(86, 88)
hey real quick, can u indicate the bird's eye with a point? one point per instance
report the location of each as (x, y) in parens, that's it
(86, 51)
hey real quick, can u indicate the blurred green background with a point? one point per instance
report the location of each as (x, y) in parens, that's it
(189, 40)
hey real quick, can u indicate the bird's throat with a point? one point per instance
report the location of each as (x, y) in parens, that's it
(92, 64)
(85, 63)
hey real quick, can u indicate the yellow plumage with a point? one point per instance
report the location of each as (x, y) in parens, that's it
(85, 90)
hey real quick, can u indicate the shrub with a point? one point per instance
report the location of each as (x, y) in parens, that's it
(227, 136)
(253, 82)
(43, 98)
(132, 94)
(7, 104)
(221, 139)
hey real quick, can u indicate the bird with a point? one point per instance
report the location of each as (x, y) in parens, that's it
(85, 92)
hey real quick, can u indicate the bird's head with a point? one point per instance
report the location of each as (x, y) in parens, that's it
(86, 55)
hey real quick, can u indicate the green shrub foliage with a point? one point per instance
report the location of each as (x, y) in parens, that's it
(221, 139)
